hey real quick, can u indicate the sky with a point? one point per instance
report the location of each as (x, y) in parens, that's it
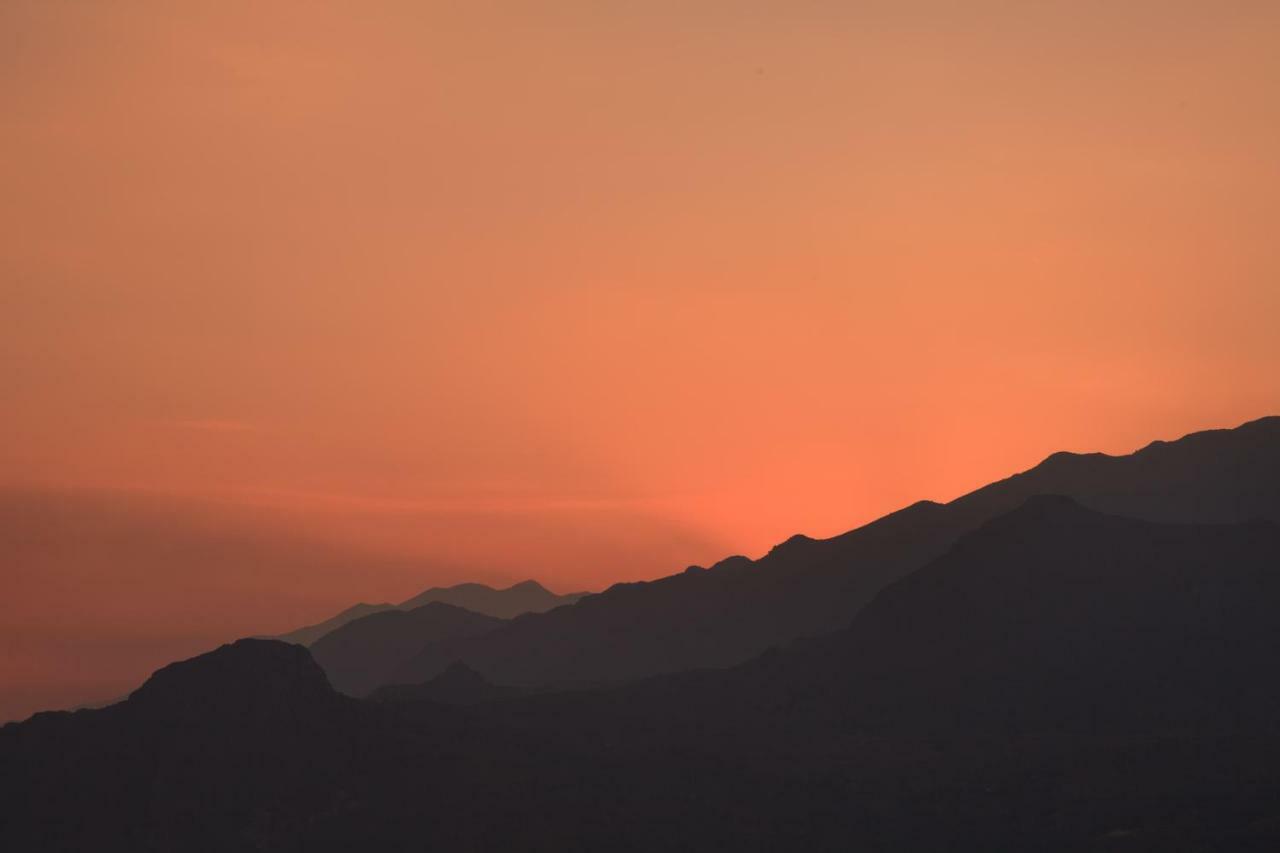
(303, 304)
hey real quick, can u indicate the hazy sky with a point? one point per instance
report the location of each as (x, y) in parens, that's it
(393, 293)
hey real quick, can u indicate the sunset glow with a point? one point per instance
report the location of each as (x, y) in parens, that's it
(304, 304)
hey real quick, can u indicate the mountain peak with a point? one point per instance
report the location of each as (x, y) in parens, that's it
(457, 684)
(459, 674)
(1044, 508)
(793, 543)
(528, 586)
(734, 563)
(248, 674)
(1067, 457)
(527, 596)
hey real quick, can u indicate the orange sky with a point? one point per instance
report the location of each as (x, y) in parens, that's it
(394, 293)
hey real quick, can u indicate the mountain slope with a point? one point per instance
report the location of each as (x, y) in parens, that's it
(524, 597)
(209, 754)
(805, 587)
(1059, 680)
(459, 684)
(308, 634)
(364, 653)
(1056, 616)
(1051, 617)
(1214, 476)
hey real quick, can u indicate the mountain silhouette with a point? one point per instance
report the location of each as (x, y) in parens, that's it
(1057, 676)
(308, 634)
(205, 755)
(524, 597)
(1059, 679)
(459, 684)
(739, 607)
(1052, 617)
(1056, 617)
(366, 652)
(247, 677)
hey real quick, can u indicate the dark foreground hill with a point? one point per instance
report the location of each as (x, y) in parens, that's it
(1057, 680)
(524, 597)
(804, 587)
(1057, 617)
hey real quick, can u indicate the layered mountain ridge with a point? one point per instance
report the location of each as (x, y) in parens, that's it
(1053, 674)
(805, 587)
(525, 597)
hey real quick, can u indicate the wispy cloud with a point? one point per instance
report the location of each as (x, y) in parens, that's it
(441, 505)
(215, 425)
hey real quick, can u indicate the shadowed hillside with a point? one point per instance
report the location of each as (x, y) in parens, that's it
(1052, 617)
(1059, 679)
(307, 635)
(459, 684)
(364, 653)
(804, 587)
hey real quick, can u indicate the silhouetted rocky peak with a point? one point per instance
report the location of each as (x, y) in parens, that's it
(794, 545)
(246, 676)
(735, 563)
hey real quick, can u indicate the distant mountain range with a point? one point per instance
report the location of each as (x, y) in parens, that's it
(525, 597)
(1081, 657)
(367, 652)
(738, 608)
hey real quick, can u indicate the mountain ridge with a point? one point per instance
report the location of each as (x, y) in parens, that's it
(805, 587)
(500, 602)
(362, 654)
(1045, 683)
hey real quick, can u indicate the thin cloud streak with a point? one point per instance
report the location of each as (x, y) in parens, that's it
(216, 425)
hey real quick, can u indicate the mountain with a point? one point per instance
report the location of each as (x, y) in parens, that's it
(459, 684)
(1221, 475)
(260, 680)
(1057, 617)
(209, 754)
(308, 634)
(739, 607)
(366, 652)
(525, 597)
(1058, 679)
(1052, 617)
